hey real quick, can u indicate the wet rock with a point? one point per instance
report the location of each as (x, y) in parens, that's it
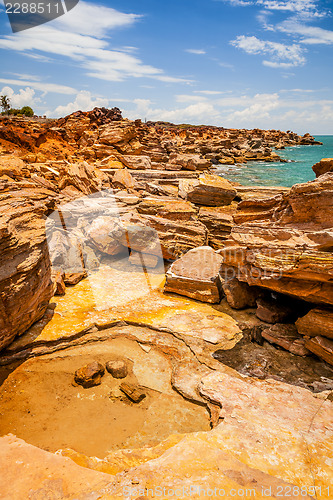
(118, 368)
(322, 347)
(211, 191)
(286, 336)
(132, 392)
(323, 166)
(240, 295)
(316, 322)
(196, 275)
(89, 375)
(122, 179)
(271, 311)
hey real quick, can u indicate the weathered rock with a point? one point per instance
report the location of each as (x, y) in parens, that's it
(133, 393)
(288, 249)
(318, 322)
(219, 222)
(238, 294)
(272, 311)
(322, 347)
(143, 260)
(136, 162)
(89, 375)
(106, 233)
(122, 179)
(117, 132)
(118, 368)
(167, 208)
(190, 162)
(174, 238)
(25, 273)
(323, 166)
(60, 287)
(72, 279)
(82, 176)
(12, 166)
(196, 275)
(286, 336)
(211, 191)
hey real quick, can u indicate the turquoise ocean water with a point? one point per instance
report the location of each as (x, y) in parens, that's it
(298, 169)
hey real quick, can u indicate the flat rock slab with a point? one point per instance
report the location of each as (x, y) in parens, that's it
(286, 336)
(196, 275)
(322, 347)
(211, 191)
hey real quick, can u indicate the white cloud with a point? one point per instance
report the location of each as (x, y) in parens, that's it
(196, 51)
(190, 98)
(260, 108)
(284, 56)
(209, 92)
(42, 86)
(312, 34)
(83, 101)
(81, 35)
(200, 112)
(304, 8)
(24, 97)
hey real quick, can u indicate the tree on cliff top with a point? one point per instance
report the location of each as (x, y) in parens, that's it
(5, 103)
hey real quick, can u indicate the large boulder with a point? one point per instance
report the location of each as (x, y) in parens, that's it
(196, 275)
(287, 248)
(168, 208)
(211, 191)
(323, 166)
(137, 162)
(189, 162)
(25, 271)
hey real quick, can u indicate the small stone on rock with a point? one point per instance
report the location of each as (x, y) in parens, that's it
(89, 375)
(117, 368)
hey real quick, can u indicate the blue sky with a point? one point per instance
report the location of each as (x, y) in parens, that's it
(232, 63)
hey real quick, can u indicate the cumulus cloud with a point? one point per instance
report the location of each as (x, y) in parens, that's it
(283, 56)
(81, 35)
(302, 7)
(84, 101)
(24, 97)
(42, 86)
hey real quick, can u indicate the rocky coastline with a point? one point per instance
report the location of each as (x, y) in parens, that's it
(118, 237)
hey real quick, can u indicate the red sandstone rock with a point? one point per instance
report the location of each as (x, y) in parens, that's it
(316, 322)
(322, 347)
(196, 275)
(211, 191)
(286, 336)
(89, 375)
(325, 165)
